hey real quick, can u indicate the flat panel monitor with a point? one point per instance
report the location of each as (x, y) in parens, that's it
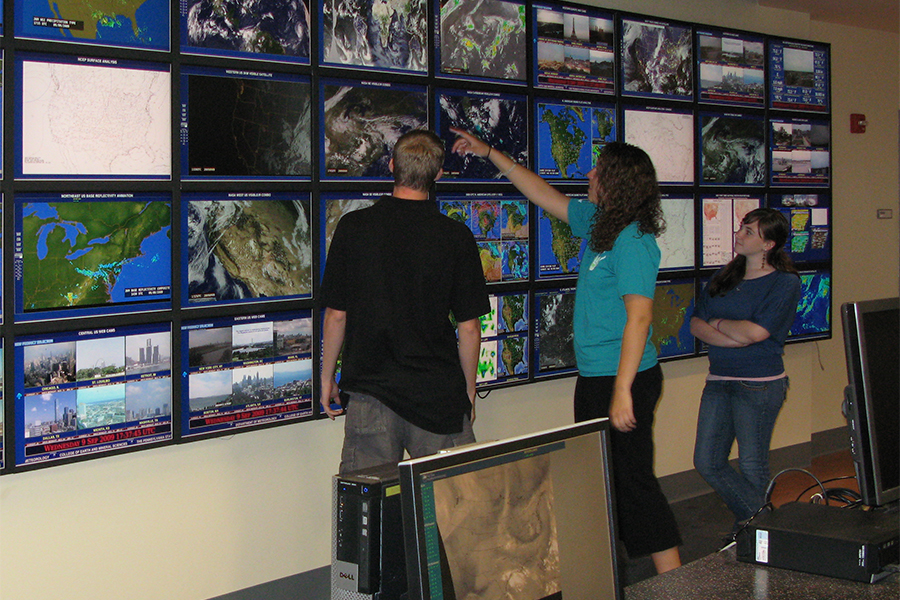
(360, 121)
(275, 31)
(504, 357)
(79, 255)
(500, 224)
(673, 304)
(813, 318)
(238, 124)
(379, 36)
(721, 217)
(656, 59)
(810, 217)
(559, 251)
(246, 371)
(59, 133)
(574, 49)
(2, 410)
(676, 243)
(732, 149)
(553, 314)
(800, 152)
(499, 119)
(246, 247)
(137, 24)
(481, 40)
(871, 333)
(525, 517)
(667, 135)
(570, 135)
(731, 67)
(799, 75)
(90, 392)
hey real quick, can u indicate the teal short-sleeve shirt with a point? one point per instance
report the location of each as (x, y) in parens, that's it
(630, 267)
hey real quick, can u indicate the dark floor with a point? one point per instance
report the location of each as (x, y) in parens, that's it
(705, 520)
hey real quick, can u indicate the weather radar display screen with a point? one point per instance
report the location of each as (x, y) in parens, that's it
(503, 357)
(575, 49)
(246, 247)
(809, 216)
(267, 30)
(798, 76)
(91, 254)
(501, 120)
(360, 123)
(481, 40)
(570, 135)
(554, 341)
(372, 34)
(243, 125)
(656, 59)
(93, 391)
(559, 251)
(82, 117)
(814, 311)
(245, 371)
(731, 68)
(142, 24)
(673, 304)
(500, 226)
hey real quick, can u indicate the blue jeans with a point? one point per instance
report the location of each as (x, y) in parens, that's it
(375, 435)
(746, 411)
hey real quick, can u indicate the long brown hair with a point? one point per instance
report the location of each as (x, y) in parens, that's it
(627, 191)
(774, 227)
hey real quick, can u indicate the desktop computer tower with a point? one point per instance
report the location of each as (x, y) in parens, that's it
(367, 553)
(845, 543)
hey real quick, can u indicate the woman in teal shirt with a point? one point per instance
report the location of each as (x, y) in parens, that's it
(618, 374)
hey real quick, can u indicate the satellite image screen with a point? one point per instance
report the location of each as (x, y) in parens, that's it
(92, 391)
(554, 333)
(814, 311)
(92, 118)
(574, 49)
(731, 68)
(379, 34)
(480, 39)
(801, 152)
(504, 341)
(501, 120)
(673, 303)
(559, 252)
(245, 247)
(799, 73)
(360, 123)
(140, 24)
(732, 149)
(245, 125)
(500, 226)
(656, 59)
(246, 371)
(262, 30)
(570, 135)
(92, 254)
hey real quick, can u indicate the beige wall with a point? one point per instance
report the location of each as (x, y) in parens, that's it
(206, 518)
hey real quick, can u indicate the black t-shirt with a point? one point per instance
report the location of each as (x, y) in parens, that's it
(400, 269)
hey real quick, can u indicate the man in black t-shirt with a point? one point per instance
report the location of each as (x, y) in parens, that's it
(395, 273)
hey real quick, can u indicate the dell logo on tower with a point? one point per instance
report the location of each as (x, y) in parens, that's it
(346, 575)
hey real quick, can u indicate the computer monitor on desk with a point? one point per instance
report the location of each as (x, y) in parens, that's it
(530, 517)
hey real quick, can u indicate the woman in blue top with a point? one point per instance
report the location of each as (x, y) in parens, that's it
(618, 374)
(744, 315)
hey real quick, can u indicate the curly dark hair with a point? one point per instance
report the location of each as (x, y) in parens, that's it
(627, 191)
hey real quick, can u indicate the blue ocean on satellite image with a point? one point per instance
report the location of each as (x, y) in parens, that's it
(275, 27)
(814, 310)
(135, 23)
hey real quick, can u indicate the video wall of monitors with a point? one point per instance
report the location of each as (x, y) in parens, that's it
(173, 192)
